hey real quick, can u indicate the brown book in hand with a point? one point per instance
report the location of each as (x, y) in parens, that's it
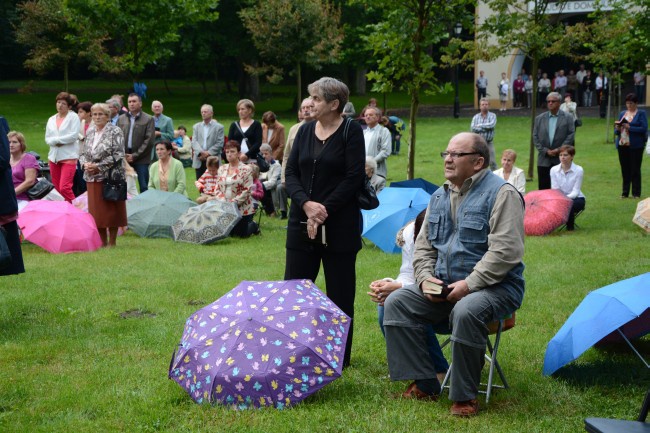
(435, 290)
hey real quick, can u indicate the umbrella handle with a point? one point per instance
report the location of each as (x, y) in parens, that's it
(171, 364)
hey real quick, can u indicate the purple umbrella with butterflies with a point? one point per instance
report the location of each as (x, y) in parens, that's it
(264, 343)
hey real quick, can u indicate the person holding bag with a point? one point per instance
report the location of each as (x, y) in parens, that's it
(103, 150)
(324, 174)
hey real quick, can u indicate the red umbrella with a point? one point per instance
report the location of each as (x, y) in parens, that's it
(58, 227)
(546, 210)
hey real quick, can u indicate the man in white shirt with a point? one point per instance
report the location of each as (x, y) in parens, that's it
(378, 140)
(207, 140)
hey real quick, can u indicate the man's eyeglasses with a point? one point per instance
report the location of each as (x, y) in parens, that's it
(456, 155)
(550, 101)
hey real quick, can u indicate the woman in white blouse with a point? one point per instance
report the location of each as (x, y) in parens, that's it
(62, 135)
(567, 177)
(511, 174)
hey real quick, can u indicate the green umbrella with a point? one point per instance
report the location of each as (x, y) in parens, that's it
(152, 213)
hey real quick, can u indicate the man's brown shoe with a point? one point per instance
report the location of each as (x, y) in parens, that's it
(414, 393)
(465, 408)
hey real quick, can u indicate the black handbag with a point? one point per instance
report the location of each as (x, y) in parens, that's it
(367, 197)
(262, 164)
(578, 122)
(5, 254)
(114, 184)
(40, 189)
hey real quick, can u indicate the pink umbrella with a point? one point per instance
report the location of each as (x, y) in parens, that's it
(546, 210)
(81, 203)
(58, 227)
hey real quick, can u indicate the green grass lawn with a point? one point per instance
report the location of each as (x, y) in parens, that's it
(71, 362)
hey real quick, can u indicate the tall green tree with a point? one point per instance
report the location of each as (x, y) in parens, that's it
(524, 27)
(139, 33)
(288, 34)
(402, 44)
(48, 28)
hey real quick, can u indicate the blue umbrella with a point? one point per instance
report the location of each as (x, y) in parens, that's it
(620, 308)
(397, 206)
(416, 183)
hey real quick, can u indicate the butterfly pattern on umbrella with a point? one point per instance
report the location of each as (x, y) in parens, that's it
(262, 344)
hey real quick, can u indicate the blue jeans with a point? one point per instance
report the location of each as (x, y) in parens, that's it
(435, 351)
(143, 176)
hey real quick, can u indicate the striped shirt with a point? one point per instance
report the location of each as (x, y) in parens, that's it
(484, 125)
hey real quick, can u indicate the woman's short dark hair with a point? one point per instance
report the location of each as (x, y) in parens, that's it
(568, 149)
(631, 97)
(86, 106)
(269, 118)
(331, 89)
(232, 144)
(167, 144)
(65, 96)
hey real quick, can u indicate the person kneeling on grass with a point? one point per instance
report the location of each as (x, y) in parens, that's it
(235, 184)
(207, 183)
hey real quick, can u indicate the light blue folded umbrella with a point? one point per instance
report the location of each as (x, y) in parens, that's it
(152, 213)
(397, 206)
(622, 309)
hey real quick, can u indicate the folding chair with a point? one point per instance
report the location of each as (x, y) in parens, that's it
(607, 425)
(575, 218)
(494, 328)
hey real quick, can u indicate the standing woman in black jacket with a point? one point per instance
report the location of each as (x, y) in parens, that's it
(246, 131)
(8, 206)
(324, 172)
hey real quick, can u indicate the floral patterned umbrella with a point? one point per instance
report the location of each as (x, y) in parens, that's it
(270, 343)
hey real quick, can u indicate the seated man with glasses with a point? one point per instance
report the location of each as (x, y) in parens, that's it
(551, 130)
(472, 240)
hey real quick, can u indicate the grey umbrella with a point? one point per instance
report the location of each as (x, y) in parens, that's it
(152, 213)
(209, 222)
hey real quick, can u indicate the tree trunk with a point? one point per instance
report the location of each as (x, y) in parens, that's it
(360, 81)
(66, 82)
(415, 103)
(299, 84)
(533, 114)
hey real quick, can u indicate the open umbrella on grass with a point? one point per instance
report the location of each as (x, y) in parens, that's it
(58, 227)
(620, 308)
(546, 210)
(418, 182)
(152, 213)
(397, 206)
(271, 343)
(206, 223)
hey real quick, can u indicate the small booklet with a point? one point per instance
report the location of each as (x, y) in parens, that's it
(321, 236)
(436, 290)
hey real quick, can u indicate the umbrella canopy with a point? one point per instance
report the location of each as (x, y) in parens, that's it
(416, 183)
(600, 313)
(546, 210)
(642, 215)
(209, 222)
(268, 343)
(58, 227)
(397, 206)
(152, 213)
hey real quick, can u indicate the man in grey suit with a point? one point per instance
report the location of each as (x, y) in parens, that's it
(207, 140)
(378, 140)
(552, 130)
